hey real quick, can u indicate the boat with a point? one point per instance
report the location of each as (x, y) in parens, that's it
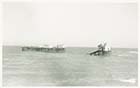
(103, 49)
(45, 48)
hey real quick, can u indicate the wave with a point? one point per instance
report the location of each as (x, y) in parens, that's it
(123, 55)
(135, 52)
(128, 80)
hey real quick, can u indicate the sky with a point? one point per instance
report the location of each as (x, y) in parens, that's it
(72, 24)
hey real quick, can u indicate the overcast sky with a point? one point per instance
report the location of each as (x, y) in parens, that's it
(73, 24)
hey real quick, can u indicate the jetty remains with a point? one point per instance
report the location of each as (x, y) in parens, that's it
(45, 48)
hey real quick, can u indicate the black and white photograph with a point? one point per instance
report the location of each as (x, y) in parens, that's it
(70, 43)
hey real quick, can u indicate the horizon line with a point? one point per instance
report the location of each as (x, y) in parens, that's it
(71, 46)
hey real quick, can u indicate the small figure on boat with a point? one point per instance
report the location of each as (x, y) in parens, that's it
(102, 50)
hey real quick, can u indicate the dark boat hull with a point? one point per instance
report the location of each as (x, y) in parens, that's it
(99, 53)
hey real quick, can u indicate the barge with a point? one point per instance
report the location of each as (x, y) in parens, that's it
(45, 48)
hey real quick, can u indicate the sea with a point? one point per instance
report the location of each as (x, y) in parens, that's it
(74, 67)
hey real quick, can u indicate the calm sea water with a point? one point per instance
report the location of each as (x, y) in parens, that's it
(72, 68)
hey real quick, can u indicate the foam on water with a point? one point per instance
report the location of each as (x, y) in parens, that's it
(133, 52)
(123, 55)
(132, 80)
